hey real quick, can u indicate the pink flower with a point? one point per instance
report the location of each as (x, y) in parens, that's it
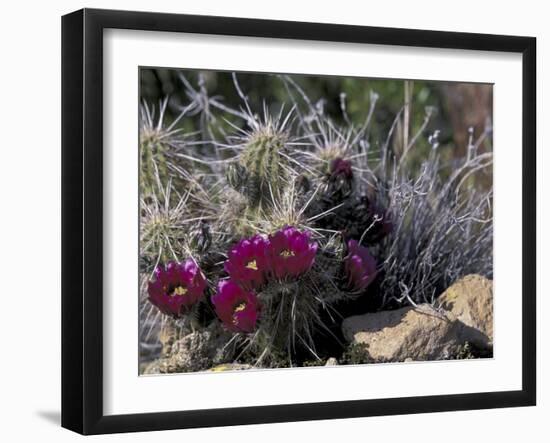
(360, 266)
(291, 252)
(247, 262)
(236, 307)
(176, 287)
(341, 168)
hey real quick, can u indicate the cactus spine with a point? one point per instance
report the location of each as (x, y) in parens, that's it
(260, 173)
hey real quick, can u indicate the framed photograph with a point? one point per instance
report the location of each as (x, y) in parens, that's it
(269, 221)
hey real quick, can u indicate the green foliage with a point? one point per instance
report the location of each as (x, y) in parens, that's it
(356, 354)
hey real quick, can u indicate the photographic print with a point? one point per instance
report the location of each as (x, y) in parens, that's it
(293, 221)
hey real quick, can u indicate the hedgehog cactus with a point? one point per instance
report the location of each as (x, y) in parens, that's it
(260, 173)
(158, 143)
(153, 163)
(294, 281)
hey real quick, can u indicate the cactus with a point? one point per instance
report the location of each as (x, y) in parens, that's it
(297, 303)
(153, 163)
(159, 145)
(161, 235)
(327, 218)
(261, 172)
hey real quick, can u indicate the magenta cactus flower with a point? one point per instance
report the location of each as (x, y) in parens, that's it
(360, 266)
(236, 307)
(247, 262)
(291, 252)
(340, 178)
(341, 168)
(176, 287)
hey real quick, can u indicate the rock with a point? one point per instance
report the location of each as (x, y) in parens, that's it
(331, 362)
(170, 332)
(197, 351)
(407, 333)
(230, 367)
(153, 368)
(470, 300)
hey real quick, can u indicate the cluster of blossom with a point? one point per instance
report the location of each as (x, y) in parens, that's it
(252, 262)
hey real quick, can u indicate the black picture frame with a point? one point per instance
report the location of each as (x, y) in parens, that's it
(82, 218)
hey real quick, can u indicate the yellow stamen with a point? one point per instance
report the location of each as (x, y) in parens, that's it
(287, 253)
(180, 290)
(252, 265)
(241, 307)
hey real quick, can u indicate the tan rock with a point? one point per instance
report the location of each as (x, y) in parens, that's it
(331, 362)
(196, 351)
(470, 300)
(406, 334)
(170, 332)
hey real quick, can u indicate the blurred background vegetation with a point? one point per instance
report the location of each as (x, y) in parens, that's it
(455, 107)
